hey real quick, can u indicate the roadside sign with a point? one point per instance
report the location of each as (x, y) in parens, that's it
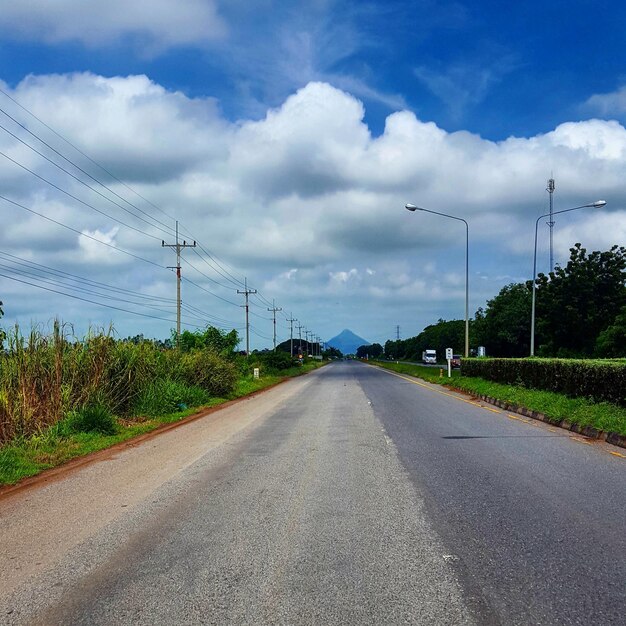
(448, 354)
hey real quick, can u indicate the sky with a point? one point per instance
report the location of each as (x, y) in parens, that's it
(286, 139)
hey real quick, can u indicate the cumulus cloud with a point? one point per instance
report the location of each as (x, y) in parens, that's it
(157, 23)
(305, 201)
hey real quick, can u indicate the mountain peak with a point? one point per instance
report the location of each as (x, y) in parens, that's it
(347, 341)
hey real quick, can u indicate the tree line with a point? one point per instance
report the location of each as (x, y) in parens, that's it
(580, 313)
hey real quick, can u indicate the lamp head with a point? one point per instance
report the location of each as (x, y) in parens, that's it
(598, 203)
(410, 207)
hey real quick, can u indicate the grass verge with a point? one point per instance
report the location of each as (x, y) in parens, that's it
(557, 407)
(57, 444)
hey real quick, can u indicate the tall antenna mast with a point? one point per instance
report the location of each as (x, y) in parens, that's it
(550, 189)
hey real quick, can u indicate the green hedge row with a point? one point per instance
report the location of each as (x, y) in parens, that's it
(600, 380)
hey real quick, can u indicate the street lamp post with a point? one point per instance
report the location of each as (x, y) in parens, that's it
(412, 207)
(594, 205)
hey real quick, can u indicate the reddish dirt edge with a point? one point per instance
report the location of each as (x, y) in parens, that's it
(56, 473)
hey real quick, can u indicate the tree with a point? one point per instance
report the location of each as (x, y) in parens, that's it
(611, 341)
(220, 341)
(332, 353)
(504, 327)
(577, 302)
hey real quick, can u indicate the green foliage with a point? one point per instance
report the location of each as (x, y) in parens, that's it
(577, 302)
(371, 351)
(444, 334)
(44, 377)
(504, 328)
(219, 341)
(555, 406)
(611, 342)
(163, 396)
(604, 381)
(272, 361)
(3, 334)
(332, 353)
(205, 369)
(94, 418)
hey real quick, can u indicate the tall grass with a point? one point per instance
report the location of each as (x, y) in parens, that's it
(45, 377)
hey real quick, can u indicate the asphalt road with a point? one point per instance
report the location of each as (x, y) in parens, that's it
(349, 496)
(535, 516)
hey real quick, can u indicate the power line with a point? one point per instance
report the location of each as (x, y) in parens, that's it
(88, 281)
(108, 306)
(220, 267)
(104, 243)
(69, 143)
(167, 230)
(70, 195)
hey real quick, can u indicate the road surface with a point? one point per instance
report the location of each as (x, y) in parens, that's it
(349, 496)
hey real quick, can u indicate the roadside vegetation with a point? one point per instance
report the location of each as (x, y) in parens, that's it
(583, 411)
(63, 397)
(580, 309)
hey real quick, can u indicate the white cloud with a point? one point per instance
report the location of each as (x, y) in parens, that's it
(156, 23)
(94, 251)
(305, 201)
(612, 104)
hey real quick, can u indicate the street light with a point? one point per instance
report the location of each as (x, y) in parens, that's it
(412, 207)
(593, 205)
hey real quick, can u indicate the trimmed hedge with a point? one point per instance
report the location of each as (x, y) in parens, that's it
(599, 380)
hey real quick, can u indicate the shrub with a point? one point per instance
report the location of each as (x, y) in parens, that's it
(166, 396)
(277, 361)
(603, 381)
(91, 419)
(205, 369)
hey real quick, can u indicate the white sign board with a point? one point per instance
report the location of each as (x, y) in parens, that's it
(448, 354)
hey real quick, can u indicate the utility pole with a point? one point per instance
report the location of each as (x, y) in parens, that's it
(178, 247)
(300, 327)
(246, 292)
(291, 321)
(397, 332)
(550, 189)
(274, 309)
(306, 340)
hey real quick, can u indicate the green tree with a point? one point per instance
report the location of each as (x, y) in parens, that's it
(577, 302)
(611, 341)
(332, 353)
(504, 327)
(220, 341)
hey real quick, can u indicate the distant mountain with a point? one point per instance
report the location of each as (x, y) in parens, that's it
(347, 342)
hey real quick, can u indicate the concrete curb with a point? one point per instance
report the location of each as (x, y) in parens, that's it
(588, 431)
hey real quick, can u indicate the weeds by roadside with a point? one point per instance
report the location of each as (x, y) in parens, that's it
(94, 428)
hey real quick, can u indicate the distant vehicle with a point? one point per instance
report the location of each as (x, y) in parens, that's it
(456, 361)
(429, 357)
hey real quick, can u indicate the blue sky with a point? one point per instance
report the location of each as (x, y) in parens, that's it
(493, 70)
(294, 121)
